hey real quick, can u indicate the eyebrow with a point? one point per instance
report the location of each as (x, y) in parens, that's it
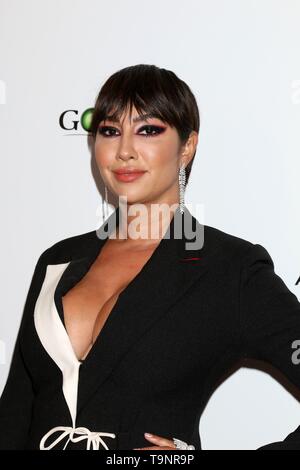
(143, 117)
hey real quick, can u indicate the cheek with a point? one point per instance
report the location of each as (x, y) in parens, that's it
(104, 154)
(159, 154)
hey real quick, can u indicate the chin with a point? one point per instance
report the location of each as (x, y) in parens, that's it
(137, 198)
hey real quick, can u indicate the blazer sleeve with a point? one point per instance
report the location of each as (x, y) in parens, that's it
(270, 324)
(18, 394)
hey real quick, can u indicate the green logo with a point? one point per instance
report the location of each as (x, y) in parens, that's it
(86, 119)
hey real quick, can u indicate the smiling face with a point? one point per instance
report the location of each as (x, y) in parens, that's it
(147, 145)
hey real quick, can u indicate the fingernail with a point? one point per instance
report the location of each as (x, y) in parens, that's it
(147, 434)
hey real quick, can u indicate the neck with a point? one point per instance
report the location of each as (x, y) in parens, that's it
(145, 223)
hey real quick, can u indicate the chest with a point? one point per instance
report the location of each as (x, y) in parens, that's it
(87, 306)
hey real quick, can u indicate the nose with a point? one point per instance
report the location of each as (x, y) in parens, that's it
(126, 149)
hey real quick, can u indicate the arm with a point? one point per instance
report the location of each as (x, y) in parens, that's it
(269, 324)
(17, 397)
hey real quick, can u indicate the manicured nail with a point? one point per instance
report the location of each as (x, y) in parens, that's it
(147, 434)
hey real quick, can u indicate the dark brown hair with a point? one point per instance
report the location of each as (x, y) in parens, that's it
(153, 90)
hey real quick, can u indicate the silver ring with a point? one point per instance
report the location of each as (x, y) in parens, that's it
(182, 445)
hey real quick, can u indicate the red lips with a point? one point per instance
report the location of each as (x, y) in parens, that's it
(127, 175)
(127, 171)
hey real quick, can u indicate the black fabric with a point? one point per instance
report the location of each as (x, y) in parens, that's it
(179, 326)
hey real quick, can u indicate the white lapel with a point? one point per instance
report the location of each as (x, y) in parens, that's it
(54, 337)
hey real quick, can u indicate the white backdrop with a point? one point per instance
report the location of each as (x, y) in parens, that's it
(241, 59)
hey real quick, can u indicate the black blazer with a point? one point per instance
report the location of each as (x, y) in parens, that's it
(185, 319)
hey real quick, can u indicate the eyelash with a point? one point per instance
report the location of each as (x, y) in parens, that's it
(158, 130)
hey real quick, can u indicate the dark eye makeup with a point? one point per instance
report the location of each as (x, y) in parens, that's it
(154, 130)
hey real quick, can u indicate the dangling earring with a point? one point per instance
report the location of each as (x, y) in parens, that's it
(182, 179)
(105, 205)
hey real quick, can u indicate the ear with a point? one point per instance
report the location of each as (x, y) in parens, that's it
(188, 150)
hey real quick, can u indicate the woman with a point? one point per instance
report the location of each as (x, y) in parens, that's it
(127, 329)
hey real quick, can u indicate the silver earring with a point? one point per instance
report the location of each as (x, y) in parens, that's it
(105, 205)
(182, 179)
